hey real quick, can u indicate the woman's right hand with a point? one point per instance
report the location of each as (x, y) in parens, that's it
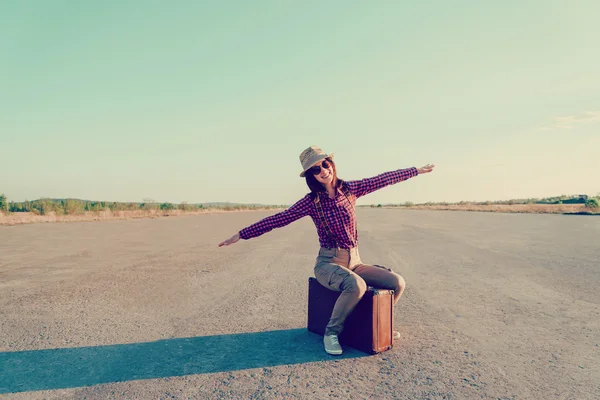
(426, 169)
(231, 240)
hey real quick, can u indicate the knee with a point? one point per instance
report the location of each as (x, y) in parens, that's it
(355, 284)
(362, 286)
(399, 283)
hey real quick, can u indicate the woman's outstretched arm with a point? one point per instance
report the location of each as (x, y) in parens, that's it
(300, 209)
(368, 185)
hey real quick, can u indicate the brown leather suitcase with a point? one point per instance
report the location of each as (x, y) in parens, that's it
(369, 326)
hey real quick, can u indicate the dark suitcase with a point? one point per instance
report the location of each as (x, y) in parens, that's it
(369, 326)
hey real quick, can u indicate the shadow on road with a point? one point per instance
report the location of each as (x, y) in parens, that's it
(86, 366)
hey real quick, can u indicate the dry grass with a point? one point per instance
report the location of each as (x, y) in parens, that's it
(507, 208)
(31, 218)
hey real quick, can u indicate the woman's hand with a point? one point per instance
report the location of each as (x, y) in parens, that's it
(231, 240)
(425, 169)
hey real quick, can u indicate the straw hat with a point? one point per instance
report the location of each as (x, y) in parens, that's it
(310, 156)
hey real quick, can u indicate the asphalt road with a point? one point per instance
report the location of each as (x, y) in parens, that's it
(496, 306)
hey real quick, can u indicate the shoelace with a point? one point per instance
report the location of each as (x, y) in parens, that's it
(334, 339)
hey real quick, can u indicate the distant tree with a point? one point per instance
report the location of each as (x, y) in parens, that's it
(72, 207)
(58, 208)
(3, 203)
(42, 206)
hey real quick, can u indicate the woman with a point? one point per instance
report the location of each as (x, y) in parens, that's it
(331, 205)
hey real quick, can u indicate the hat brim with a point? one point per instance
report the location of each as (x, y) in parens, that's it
(303, 173)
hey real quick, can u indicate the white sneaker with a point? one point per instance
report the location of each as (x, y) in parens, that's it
(332, 345)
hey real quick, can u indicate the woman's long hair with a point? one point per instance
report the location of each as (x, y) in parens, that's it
(315, 186)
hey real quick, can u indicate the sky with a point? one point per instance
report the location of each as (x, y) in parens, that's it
(205, 101)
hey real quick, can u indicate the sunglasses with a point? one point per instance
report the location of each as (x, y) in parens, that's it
(317, 168)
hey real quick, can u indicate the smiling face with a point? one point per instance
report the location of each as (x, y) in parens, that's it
(323, 172)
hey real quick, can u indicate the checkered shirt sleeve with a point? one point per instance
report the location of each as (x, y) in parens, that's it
(365, 186)
(300, 209)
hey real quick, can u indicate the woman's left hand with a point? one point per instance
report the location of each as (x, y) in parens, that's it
(231, 240)
(425, 169)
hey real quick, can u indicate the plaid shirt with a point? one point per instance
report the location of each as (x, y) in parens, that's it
(339, 212)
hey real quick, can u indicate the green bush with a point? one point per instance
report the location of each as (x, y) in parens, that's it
(167, 206)
(592, 204)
